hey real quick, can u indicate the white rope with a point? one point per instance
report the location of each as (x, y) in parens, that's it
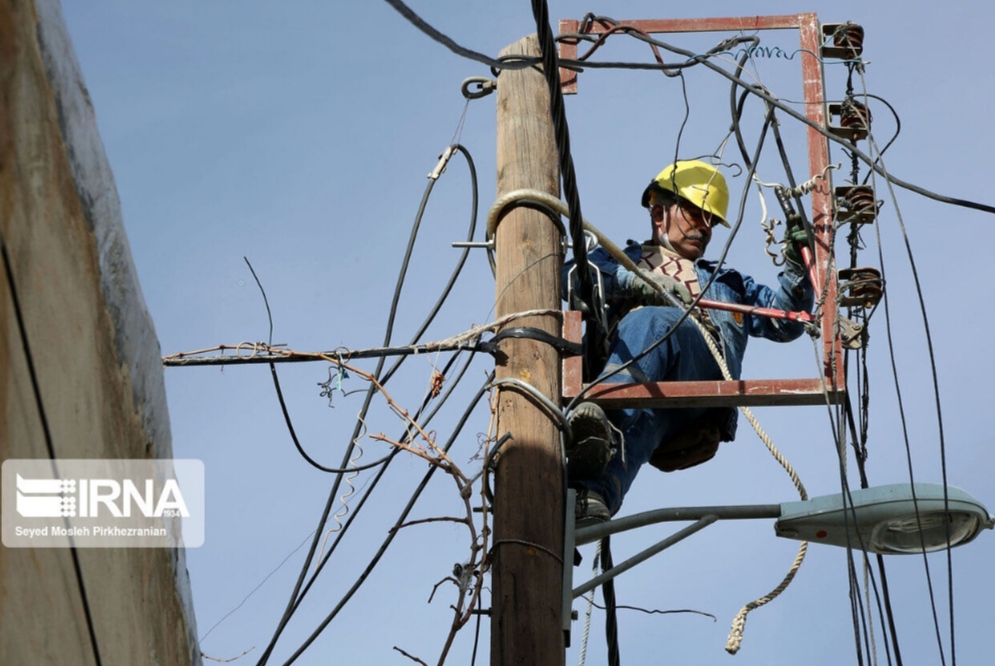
(739, 622)
(735, 640)
(870, 615)
(587, 614)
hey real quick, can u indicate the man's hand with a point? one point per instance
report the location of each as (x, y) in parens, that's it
(795, 238)
(645, 290)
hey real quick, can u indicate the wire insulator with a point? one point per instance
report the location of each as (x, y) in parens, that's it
(860, 287)
(861, 199)
(850, 35)
(856, 204)
(854, 115)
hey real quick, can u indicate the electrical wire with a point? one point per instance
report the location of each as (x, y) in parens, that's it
(388, 334)
(860, 457)
(283, 404)
(859, 443)
(611, 612)
(902, 417)
(936, 391)
(568, 175)
(300, 449)
(858, 610)
(693, 59)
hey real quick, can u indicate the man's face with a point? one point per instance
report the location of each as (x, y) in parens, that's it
(687, 227)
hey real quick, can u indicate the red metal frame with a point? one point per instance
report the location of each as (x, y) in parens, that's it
(743, 392)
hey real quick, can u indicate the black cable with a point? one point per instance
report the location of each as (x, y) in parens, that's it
(476, 632)
(684, 122)
(449, 390)
(439, 37)
(891, 615)
(905, 437)
(611, 611)
(283, 404)
(759, 92)
(858, 612)
(886, 614)
(737, 109)
(300, 449)
(888, 620)
(694, 59)
(49, 443)
(737, 114)
(264, 658)
(561, 130)
(294, 599)
(839, 438)
(898, 130)
(856, 608)
(939, 417)
(936, 390)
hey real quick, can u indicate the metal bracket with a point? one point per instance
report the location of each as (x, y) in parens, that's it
(443, 161)
(851, 333)
(599, 308)
(483, 245)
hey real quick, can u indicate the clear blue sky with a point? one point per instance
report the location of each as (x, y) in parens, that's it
(299, 135)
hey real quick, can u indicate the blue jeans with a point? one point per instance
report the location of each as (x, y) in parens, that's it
(683, 356)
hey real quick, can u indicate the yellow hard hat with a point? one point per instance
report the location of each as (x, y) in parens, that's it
(696, 182)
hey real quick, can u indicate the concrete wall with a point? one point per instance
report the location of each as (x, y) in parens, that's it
(78, 356)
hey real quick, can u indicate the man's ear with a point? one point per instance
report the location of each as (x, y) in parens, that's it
(656, 213)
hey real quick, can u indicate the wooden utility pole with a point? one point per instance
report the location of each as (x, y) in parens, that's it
(526, 576)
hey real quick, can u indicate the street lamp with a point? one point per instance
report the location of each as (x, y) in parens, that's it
(895, 519)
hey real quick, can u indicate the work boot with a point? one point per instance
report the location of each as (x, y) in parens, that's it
(590, 447)
(590, 509)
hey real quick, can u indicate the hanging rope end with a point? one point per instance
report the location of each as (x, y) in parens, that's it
(735, 640)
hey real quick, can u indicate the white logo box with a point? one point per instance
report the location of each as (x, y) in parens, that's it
(102, 503)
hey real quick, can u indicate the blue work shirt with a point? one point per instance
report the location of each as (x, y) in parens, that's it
(729, 285)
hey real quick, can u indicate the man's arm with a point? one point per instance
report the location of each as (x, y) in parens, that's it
(794, 294)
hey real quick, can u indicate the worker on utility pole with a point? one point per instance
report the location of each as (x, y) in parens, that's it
(686, 201)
